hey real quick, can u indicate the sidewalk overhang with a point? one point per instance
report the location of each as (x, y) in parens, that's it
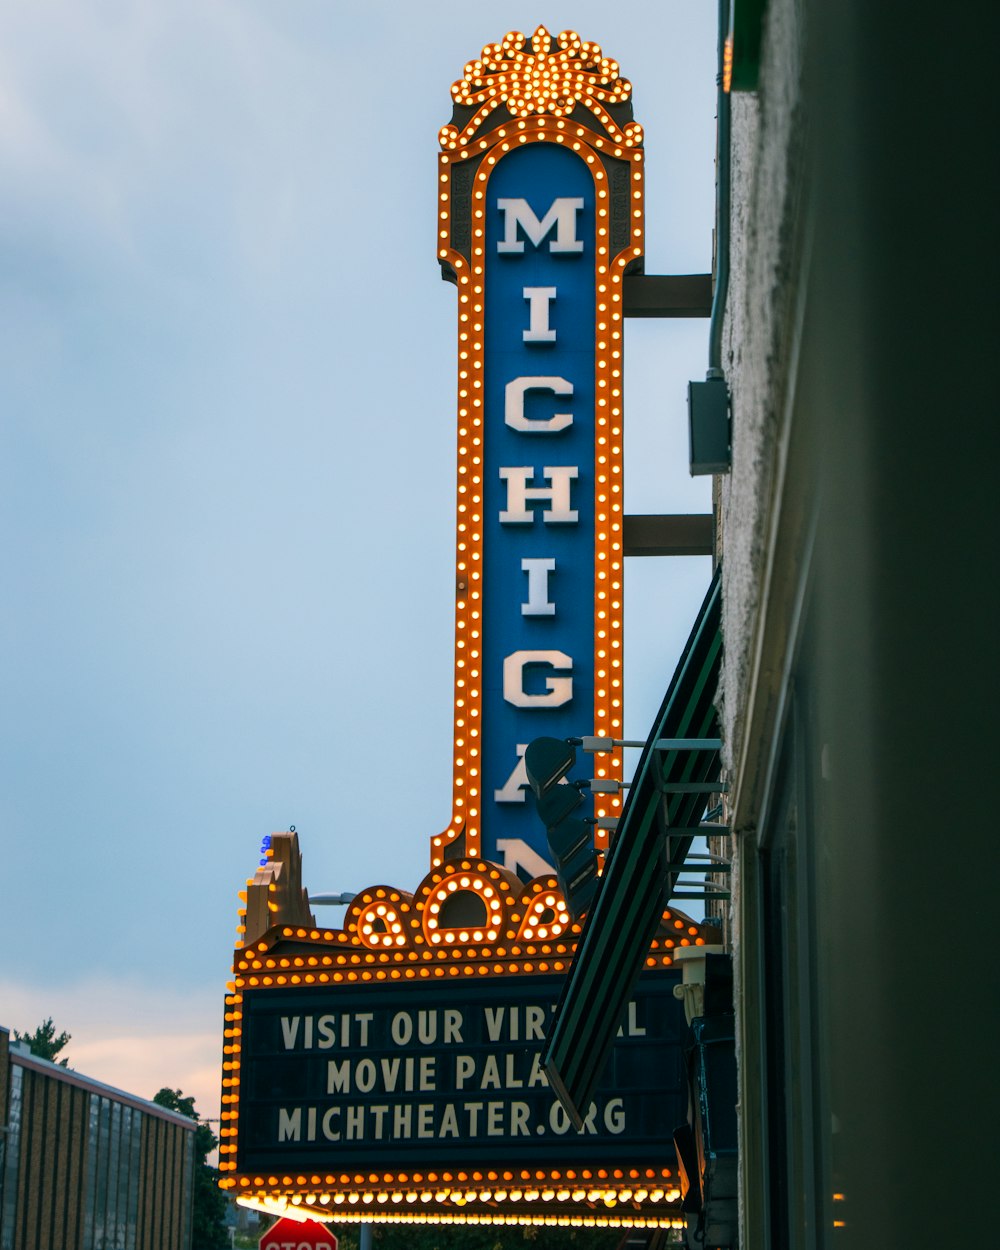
(678, 770)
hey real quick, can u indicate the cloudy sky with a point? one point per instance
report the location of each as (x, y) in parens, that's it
(227, 447)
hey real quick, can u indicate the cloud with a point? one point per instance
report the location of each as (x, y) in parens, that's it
(226, 356)
(129, 1034)
(134, 132)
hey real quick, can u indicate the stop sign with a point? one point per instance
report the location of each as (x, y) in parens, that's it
(293, 1235)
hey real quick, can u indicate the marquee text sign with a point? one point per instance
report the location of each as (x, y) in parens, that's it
(339, 1080)
(540, 218)
(390, 1069)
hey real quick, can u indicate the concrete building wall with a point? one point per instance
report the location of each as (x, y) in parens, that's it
(759, 342)
(762, 524)
(166, 1187)
(51, 1164)
(4, 1081)
(859, 627)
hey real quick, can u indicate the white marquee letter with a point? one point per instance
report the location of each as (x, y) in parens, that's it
(538, 587)
(513, 405)
(562, 215)
(513, 787)
(559, 689)
(517, 854)
(558, 495)
(289, 1125)
(539, 298)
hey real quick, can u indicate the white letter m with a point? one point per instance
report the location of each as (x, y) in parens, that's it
(562, 215)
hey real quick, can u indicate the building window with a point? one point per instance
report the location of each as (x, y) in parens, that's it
(794, 1097)
(113, 1175)
(9, 1175)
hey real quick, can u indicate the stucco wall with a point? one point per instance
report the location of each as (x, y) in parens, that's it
(758, 340)
(766, 181)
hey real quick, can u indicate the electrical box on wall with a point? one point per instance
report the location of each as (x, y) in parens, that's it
(708, 426)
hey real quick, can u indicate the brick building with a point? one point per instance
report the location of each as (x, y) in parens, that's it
(84, 1166)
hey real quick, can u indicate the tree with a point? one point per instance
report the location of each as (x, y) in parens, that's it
(208, 1229)
(44, 1043)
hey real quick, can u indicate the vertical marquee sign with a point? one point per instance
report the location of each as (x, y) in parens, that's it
(391, 1069)
(540, 218)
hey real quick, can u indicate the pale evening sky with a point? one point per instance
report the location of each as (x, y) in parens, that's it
(228, 440)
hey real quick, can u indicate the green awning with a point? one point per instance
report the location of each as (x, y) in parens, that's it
(668, 796)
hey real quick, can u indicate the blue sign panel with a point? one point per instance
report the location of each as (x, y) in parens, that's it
(540, 212)
(539, 431)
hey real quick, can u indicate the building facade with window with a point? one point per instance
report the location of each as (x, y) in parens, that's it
(859, 626)
(87, 1167)
(856, 545)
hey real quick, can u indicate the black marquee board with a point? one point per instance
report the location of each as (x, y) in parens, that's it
(449, 1076)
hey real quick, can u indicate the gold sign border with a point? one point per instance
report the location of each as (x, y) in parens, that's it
(303, 955)
(608, 547)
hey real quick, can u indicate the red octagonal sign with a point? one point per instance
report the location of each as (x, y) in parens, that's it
(293, 1235)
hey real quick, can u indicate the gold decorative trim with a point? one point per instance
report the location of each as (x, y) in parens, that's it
(545, 74)
(611, 265)
(534, 935)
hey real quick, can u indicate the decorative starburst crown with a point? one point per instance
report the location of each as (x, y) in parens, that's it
(546, 74)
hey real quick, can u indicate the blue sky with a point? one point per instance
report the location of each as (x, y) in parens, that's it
(227, 464)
